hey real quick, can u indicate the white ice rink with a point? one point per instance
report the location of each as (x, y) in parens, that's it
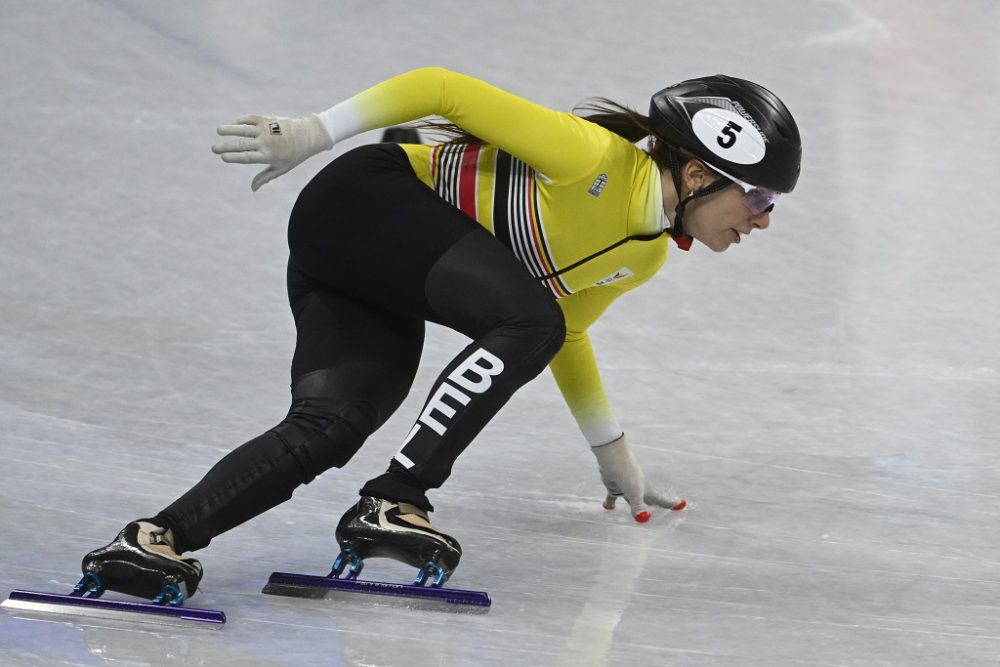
(826, 395)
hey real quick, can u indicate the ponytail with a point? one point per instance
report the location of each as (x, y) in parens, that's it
(631, 125)
(617, 118)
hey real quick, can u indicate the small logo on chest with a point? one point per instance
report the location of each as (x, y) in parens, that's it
(620, 274)
(598, 186)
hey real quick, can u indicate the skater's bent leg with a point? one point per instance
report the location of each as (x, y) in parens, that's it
(319, 432)
(407, 250)
(480, 289)
(368, 360)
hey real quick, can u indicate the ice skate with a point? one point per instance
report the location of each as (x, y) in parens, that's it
(401, 531)
(376, 528)
(142, 562)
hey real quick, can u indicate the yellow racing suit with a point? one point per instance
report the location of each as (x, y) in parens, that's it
(580, 206)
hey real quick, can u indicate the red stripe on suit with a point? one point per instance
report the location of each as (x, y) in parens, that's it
(468, 174)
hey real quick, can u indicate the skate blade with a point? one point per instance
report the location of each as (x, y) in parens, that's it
(54, 603)
(314, 587)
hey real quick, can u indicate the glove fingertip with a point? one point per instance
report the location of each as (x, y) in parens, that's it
(667, 502)
(640, 512)
(609, 502)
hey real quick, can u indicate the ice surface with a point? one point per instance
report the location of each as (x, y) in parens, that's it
(825, 394)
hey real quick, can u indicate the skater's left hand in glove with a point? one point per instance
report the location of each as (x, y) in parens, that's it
(280, 143)
(622, 476)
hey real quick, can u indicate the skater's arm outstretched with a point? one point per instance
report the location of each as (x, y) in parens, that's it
(579, 379)
(560, 145)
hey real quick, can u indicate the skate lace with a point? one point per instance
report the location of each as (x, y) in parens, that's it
(159, 538)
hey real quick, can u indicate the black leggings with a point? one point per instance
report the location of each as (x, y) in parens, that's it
(374, 254)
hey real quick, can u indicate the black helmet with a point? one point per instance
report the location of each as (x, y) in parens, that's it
(737, 127)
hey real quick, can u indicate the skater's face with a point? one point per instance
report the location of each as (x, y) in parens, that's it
(717, 220)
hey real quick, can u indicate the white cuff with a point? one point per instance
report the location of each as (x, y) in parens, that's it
(602, 433)
(342, 121)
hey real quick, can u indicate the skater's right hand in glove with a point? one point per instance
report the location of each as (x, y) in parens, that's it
(280, 143)
(622, 476)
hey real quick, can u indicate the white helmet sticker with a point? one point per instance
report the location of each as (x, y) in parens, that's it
(729, 135)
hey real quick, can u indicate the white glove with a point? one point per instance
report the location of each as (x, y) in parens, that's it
(280, 143)
(622, 476)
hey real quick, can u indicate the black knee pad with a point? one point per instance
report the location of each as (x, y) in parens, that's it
(540, 333)
(325, 428)
(552, 325)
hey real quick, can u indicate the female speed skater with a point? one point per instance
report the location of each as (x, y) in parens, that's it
(519, 232)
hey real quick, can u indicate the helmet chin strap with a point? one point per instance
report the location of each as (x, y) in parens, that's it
(683, 240)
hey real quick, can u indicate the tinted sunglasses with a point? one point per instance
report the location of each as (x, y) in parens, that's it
(757, 199)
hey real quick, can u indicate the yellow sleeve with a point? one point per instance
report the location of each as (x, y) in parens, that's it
(562, 146)
(575, 366)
